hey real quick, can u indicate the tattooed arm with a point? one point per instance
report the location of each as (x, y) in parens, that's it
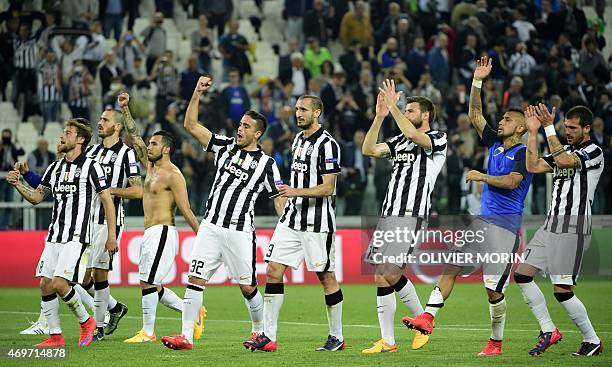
(130, 126)
(483, 68)
(134, 191)
(34, 196)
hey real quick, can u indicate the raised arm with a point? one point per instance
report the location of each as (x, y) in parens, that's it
(534, 163)
(179, 191)
(561, 157)
(111, 221)
(193, 127)
(34, 196)
(408, 129)
(483, 68)
(370, 146)
(130, 125)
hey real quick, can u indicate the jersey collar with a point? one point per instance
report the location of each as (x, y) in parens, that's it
(582, 145)
(314, 136)
(78, 160)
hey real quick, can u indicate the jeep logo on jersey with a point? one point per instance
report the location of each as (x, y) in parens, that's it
(299, 166)
(405, 157)
(236, 171)
(66, 188)
(564, 172)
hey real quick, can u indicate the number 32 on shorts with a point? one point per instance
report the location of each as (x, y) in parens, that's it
(270, 248)
(196, 267)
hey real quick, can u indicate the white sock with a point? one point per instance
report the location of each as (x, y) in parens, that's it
(497, 311)
(255, 304)
(86, 298)
(408, 295)
(41, 317)
(578, 313)
(73, 301)
(273, 301)
(112, 302)
(435, 302)
(101, 302)
(50, 309)
(385, 306)
(334, 303)
(149, 308)
(169, 299)
(534, 298)
(194, 296)
(89, 288)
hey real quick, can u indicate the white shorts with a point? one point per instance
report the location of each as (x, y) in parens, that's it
(100, 259)
(158, 249)
(558, 254)
(61, 260)
(216, 245)
(290, 247)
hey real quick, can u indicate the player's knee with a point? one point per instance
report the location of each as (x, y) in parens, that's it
(563, 296)
(522, 279)
(46, 285)
(274, 272)
(247, 290)
(60, 285)
(99, 275)
(197, 281)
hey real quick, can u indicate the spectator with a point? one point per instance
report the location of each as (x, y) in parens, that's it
(499, 67)
(155, 40)
(332, 93)
(218, 13)
(522, 25)
(294, 11)
(211, 112)
(315, 56)
(389, 55)
(511, 37)
(78, 14)
(109, 70)
(24, 63)
(426, 88)
(233, 47)
(128, 50)
(365, 94)
(604, 110)
(282, 162)
(283, 130)
(569, 19)
(327, 72)
(112, 13)
(270, 97)
(467, 136)
(351, 62)
(592, 63)
(9, 153)
(68, 53)
(79, 90)
(467, 60)
(513, 97)
(297, 74)
(354, 173)
(236, 100)
(317, 22)
(49, 89)
(94, 51)
(457, 103)
(189, 78)
(454, 174)
(201, 44)
(521, 62)
(438, 62)
(405, 36)
(284, 61)
(416, 61)
(40, 158)
(389, 24)
(165, 76)
(356, 25)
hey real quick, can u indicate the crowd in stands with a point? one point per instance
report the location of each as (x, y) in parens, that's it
(543, 51)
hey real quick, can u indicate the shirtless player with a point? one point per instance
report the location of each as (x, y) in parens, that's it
(164, 190)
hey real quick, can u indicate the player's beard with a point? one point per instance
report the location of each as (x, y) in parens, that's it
(106, 133)
(306, 124)
(418, 123)
(65, 147)
(154, 158)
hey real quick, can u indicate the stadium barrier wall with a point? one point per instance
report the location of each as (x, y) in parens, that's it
(21, 251)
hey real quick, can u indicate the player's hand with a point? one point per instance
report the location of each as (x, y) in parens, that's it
(474, 175)
(204, 83)
(390, 96)
(111, 246)
(287, 191)
(123, 99)
(483, 68)
(531, 120)
(546, 118)
(381, 107)
(13, 177)
(22, 167)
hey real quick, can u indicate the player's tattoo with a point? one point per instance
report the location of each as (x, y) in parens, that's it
(475, 111)
(385, 154)
(135, 181)
(130, 126)
(33, 196)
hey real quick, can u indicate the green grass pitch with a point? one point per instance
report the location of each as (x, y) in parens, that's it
(461, 332)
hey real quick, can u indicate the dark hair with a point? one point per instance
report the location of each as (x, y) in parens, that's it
(425, 105)
(315, 102)
(167, 139)
(261, 123)
(584, 115)
(517, 110)
(233, 70)
(83, 128)
(331, 66)
(117, 116)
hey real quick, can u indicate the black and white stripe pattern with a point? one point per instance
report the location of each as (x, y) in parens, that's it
(74, 186)
(573, 190)
(48, 80)
(119, 163)
(414, 174)
(241, 176)
(25, 53)
(313, 157)
(166, 80)
(77, 96)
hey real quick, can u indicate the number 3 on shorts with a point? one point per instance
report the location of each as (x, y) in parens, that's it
(196, 267)
(270, 248)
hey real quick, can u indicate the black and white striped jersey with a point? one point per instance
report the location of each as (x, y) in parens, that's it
(25, 53)
(241, 176)
(413, 175)
(313, 157)
(48, 82)
(574, 189)
(119, 163)
(74, 186)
